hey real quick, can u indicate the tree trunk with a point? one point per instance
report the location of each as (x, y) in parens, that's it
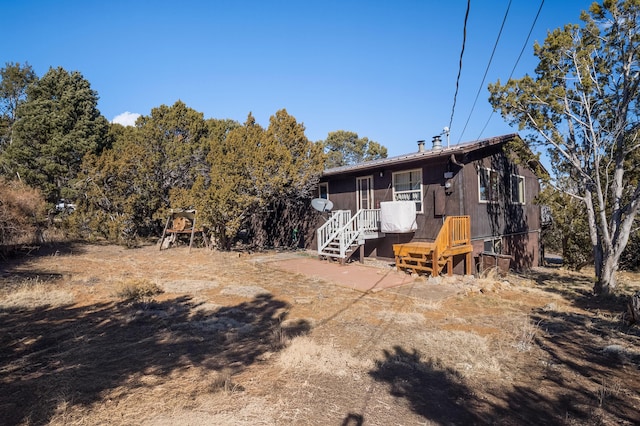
(634, 308)
(606, 282)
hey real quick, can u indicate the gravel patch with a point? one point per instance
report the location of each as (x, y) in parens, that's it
(245, 291)
(188, 286)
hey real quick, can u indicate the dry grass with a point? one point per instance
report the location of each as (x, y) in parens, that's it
(34, 293)
(526, 334)
(429, 305)
(466, 352)
(404, 318)
(22, 208)
(303, 355)
(233, 341)
(137, 290)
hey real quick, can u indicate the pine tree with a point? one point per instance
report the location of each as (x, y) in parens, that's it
(55, 127)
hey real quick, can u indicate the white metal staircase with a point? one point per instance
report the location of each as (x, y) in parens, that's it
(342, 233)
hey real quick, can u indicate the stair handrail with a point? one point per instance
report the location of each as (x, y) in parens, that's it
(368, 220)
(455, 231)
(364, 220)
(460, 227)
(346, 229)
(330, 229)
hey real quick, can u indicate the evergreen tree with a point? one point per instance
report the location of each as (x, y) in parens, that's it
(55, 127)
(346, 148)
(261, 181)
(290, 176)
(127, 189)
(14, 80)
(582, 106)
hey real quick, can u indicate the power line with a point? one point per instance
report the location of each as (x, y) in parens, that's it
(464, 40)
(486, 71)
(524, 46)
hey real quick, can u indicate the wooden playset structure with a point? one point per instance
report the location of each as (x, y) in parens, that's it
(181, 222)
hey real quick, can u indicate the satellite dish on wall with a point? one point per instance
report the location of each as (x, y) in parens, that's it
(321, 204)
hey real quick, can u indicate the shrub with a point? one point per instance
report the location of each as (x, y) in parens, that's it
(140, 290)
(22, 212)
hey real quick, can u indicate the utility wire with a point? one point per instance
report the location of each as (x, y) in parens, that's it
(464, 39)
(486, 71)
(524, 46)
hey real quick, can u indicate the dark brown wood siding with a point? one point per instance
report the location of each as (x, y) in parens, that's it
(516, 224)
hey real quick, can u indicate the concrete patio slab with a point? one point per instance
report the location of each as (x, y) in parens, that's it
(353, 275)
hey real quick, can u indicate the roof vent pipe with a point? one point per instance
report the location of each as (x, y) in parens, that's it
(437, 143)
(420, 146)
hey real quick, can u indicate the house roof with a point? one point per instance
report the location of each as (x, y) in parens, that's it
(424, 155)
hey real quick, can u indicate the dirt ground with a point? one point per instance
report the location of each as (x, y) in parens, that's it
(241, 339)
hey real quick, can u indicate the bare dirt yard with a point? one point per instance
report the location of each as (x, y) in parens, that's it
(95, 334)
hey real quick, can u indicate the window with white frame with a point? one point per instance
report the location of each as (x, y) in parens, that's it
(517, 189)
(493, 245)
(489, 185)
(364, 192)
(407, 186)
(323, 190)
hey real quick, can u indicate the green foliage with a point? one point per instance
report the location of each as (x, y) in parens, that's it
(123, 180)
(119, 192)
(296, 173)
(232, 194)
(630, 260)
(582, 107)
(175, 139)
(14, 80)
(568, 233)
(520, 153)
(260, 180)
(127, 189)
(55, 127)
(346, 148)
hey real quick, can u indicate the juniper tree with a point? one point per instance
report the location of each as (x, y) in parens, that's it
(582, 105)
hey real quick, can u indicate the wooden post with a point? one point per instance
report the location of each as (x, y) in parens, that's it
(165, 231)
(435, 266)
(361, 253)
(193, 230)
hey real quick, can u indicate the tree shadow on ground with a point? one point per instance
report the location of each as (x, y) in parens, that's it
(574, 389)
(433, 392)
(77, 354)
(441, 395)
(578, 290)
(593, 361)
(11, 257)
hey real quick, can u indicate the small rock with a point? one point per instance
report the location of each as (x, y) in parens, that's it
(614, 350)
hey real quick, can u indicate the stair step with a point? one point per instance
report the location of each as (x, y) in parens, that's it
(336, 250)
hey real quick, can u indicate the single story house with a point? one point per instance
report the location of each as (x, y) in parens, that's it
(482, 190)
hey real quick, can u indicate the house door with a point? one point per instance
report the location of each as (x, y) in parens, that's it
(364, 186)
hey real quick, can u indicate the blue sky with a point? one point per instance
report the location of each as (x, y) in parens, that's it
(384, 69)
